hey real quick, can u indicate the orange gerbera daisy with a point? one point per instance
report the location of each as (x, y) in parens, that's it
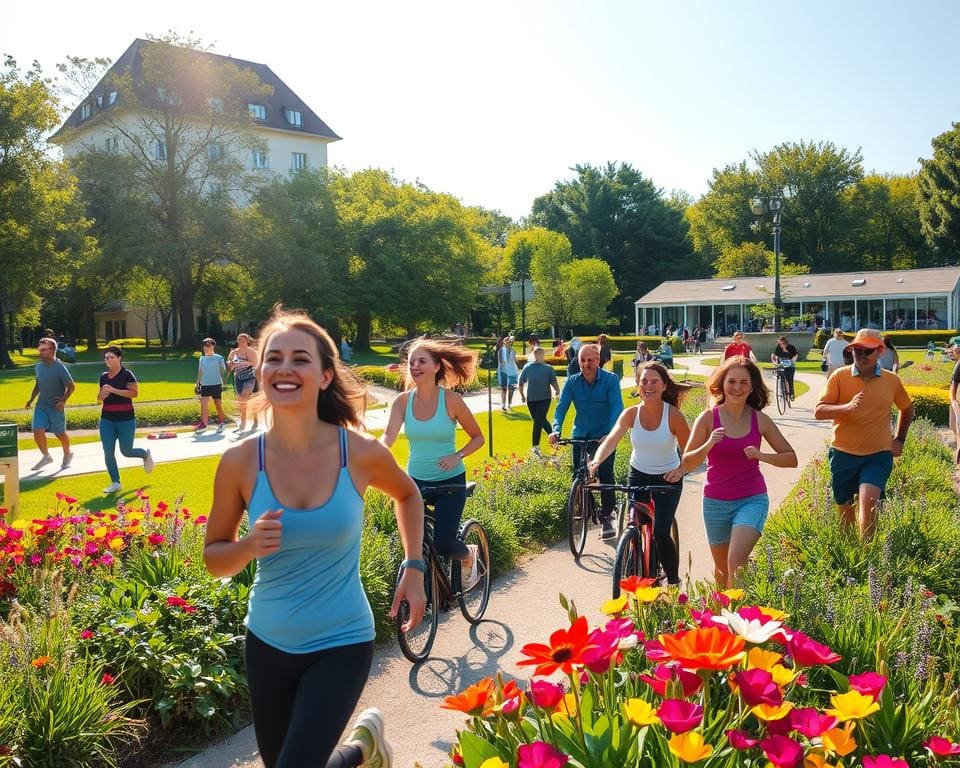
(565, 650)
(704, 648)
(476, 700)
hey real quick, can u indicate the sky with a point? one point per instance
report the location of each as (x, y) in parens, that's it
(496, 102)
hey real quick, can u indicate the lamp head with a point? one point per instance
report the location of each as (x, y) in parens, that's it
(758, 207)
(776, 203)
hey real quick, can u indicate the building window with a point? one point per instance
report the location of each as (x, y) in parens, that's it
(85, 111)
(260, 159)
(112, 98)
(111, 144)
(293, 117)
(116, 329)
(160, 150)
(298, 161)
(214, 152)
(257, 111)
(100, 101)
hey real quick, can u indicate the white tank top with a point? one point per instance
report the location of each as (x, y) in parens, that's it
(654, 452)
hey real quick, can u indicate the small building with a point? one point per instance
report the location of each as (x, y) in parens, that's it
(904, 299)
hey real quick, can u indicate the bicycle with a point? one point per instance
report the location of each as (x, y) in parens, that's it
(636, 553)
(782, 387)
(581, 505)
(442, 580)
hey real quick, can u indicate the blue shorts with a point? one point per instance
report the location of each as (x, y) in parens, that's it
(507, 379)
(720, 517)
(49, 420)
(849, 472)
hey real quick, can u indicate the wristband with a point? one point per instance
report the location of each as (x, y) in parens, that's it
(417, 564)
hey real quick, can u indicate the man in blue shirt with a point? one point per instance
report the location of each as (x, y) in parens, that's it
(596, 395)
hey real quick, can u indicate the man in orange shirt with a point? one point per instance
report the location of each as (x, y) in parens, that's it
(857, 398)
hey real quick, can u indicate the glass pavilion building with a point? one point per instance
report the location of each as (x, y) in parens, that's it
(906, 299)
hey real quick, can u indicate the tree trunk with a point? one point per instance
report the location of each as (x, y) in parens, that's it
(362, 342)
(5, 359)
(90, 324)
(184, 308)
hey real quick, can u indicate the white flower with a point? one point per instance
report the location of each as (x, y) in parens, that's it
(752, 630)
(628, 642)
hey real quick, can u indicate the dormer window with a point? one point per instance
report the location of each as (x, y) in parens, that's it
(858, 282)
(293, 117)
(100, 101)
(111, 100)
(257, 111)
(85, 111)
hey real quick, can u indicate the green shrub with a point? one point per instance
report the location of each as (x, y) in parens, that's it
(156, 414)
(821, 337)
(132, 343)
(931, 403)
(381, 375)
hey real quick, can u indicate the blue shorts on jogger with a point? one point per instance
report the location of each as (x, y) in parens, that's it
(507, 379)
(49, 420)
(721, 516)
(848, 472)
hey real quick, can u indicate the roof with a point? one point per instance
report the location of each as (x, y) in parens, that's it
(282, 97)
(832, 285)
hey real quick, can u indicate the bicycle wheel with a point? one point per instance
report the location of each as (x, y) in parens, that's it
(416, 643)
(577, 517)
(649, 564)
(786, 392)
(473, 601)
(627, 560)
(782, 393)
(623, 509)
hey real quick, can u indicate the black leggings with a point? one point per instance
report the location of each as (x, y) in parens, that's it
(447, 511)
(538, 412)
(666, 505)
(302, 701)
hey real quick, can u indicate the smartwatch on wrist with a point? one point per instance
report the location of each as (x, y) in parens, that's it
(418, 564)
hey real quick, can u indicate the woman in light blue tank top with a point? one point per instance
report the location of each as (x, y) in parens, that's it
(429, 413)
(310, 629)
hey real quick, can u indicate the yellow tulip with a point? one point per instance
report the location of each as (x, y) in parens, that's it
(494, 762)
(689, 747)
(838, 741)
(758, 658)
(615, 607)
(116, 544)
(734, 594)
(781, 675)
(769, 712)
(774, 613)
(647, 594)
(640, 713)
(567, 705)
(852, 705)
(100, 531)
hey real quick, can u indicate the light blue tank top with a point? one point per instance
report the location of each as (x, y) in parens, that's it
(430, 441)
(307, 596)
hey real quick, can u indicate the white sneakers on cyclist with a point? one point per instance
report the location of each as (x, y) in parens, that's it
(470, 576)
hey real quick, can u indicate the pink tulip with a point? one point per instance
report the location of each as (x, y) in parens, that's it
(679, 716)
(540, 755)
(757, 687)
(664, 673)
(810, 722)
(741, 740)
(544, 695)
(884, 761)
(782, 751)
(655, 651)
(868, 683)
(807, 652)
(942, 747)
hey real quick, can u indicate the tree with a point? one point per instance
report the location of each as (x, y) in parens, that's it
(170, 114)
(148, 294)
(752, 260)
(574, 292)
(939, 196)
(43, 235)
(617, 215)
(721, 219)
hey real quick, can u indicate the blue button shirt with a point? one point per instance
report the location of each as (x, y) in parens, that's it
(598, 405)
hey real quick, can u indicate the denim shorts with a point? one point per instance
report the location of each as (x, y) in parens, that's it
(507, 379)
(720, 517)
(49, 420)
(849, 472)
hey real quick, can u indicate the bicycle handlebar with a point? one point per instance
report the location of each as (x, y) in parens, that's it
(579, 440)
(630, 488)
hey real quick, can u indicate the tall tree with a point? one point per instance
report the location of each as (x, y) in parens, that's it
(43, 235)
(181, 118)
(939, 196)
(617, 215)
(721, 219)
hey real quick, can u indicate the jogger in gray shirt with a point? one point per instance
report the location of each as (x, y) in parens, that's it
(540, 377)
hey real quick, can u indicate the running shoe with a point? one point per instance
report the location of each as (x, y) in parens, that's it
(607, 531)
(536, 451)
(220, 426)
(67, 458)
(112, 488)
(200, 426)
(44, 460)
(469, 578)
(368, 734)
(148, 463)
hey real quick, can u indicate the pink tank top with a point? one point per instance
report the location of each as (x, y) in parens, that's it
(730, 474)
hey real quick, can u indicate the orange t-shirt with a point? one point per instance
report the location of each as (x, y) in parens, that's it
(867, 429)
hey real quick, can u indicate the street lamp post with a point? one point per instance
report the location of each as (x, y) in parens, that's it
(759, 206)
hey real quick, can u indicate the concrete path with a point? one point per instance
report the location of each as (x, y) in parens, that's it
(523, 608)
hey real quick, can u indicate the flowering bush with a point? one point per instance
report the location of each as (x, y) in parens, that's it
(730, 684)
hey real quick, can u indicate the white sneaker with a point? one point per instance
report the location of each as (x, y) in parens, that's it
(536, 451)
(148, 463)
(112, 488)
(374, 741)
(67, 458)
(470, 579)
(44, 460)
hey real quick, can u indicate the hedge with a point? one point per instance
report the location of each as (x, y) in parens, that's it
(931, 403)
(156, 414)
(900, 338)
(394, 379)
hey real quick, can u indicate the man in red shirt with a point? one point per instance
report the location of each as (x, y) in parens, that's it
(738, 347)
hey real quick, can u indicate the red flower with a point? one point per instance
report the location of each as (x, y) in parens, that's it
(539, 754)
(664, 673)
(633, 583)
(807, 652)
(564, 652)
(107, 679)
(156, 539)
(757, 687)
(884, 761)
(782, 752)
(679, 716)
(868, 683)
(810, 722)
(544, 695)
(476, 700)
(86, 634)
(741, 740)
(942, 747)
(655, 651)
(176, 602)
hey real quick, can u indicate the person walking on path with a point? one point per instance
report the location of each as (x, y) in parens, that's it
(429, 412)
(739, 348)
(52, 388)
(596, 395)
(302, 485)
(118, 422)
(541, 378)
(243, 361)
(641, 356)
(833, 351)
(857, 399)
(786, 355)
(606, 354)
(889, 359)
(657, 430)
(728, 436)
(506, 372)
(210, 373)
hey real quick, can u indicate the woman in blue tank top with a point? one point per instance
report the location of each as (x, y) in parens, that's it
(309, 626)
(429, 412)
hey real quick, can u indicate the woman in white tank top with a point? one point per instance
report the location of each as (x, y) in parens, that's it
(658, 433)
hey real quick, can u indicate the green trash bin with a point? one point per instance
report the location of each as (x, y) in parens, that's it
(9, 466)
(8, 440)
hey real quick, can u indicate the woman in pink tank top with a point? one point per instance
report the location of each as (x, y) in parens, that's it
(728, 436)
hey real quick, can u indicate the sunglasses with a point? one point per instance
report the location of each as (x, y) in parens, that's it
(865, 352)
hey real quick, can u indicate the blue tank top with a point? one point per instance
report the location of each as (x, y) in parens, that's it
(430, 441)
(307, 596)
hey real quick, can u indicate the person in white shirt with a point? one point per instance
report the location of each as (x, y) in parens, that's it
(507, 372)
(833, 351)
